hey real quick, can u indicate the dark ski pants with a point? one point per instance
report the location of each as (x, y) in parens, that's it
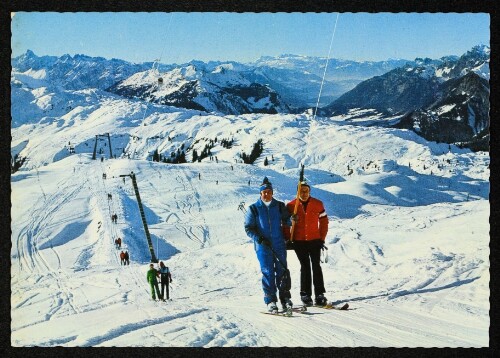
(163, 286)
(308, 253)
(154, 289)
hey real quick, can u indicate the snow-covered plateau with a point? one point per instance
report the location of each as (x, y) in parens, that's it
(408, 239)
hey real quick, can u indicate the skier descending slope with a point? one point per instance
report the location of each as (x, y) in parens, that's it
(263, 223)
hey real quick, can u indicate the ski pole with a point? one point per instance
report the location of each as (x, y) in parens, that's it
(277, 258)
(286, 272)
(297, 198)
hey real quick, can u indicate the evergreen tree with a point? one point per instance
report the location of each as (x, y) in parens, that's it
(156, 156)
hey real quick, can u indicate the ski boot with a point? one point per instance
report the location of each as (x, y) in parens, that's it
(272, 308)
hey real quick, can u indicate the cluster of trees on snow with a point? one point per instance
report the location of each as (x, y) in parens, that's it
(207, 150)
(227, 143)
(179, 156)
(176, 157)
(257, 149)
(16, 162)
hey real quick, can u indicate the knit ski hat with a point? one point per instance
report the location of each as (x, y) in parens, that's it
(305, 183)
(266, 184)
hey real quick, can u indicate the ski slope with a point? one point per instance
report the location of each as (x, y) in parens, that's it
(408, 233)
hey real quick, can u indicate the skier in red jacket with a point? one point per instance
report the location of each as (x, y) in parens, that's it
(309, 236)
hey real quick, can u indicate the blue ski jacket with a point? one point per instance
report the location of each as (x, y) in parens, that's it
(268, 222)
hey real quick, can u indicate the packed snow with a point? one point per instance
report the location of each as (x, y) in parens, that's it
(408, 240)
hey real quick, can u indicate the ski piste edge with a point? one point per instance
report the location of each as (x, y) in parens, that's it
(331, 306)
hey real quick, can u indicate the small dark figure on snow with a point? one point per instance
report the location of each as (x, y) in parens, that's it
(122, 258)
(119, 243)
(116, 243)
(127, 258)
(166, 278)
(110, 196)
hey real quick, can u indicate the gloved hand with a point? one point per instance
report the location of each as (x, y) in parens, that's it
(263, 241)
(320, 244)
(170, 280)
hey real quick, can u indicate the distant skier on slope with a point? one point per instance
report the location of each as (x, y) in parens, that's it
(166, 278)
(263, 223)
(308, 240)
(153, 282)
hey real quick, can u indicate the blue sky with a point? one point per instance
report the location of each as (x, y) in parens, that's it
(181, 37)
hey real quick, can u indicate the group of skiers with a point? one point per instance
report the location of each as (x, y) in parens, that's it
(124, 258)
(270, 223)
(165, 279)
(273, 225)
(118, 243)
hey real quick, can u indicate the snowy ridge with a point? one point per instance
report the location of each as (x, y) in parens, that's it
(408, 227)
(193, 86)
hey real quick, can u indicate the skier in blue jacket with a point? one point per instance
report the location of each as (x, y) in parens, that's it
(264, 223)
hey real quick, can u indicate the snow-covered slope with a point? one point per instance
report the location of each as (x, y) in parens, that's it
(408, 233)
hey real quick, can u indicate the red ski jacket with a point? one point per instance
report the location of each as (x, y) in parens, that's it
(312, 222)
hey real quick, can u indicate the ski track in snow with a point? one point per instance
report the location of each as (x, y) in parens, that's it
(423, 265)
(35, 258)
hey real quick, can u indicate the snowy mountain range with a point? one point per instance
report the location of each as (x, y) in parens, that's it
(301, 76)
(445, 100)
(423, 92)
(296, 78)
(408, 233)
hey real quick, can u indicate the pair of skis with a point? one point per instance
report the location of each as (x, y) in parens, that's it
(303, 310)
(331, 306)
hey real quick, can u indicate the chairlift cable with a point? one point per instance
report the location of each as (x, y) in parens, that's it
(301, 163)
(157, 61)
(326, 65)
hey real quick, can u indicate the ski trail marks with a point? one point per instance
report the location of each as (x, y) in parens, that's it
(131, 327)
(187, 200)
